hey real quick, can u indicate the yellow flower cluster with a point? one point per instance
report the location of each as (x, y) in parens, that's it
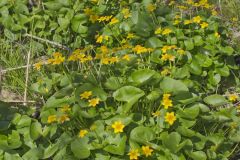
(79, 55)
(126, 13)
(92, 102)
(134, 153)
(170, 118)
(100, 38)
(62, 117)
(140, 49)
(233, 97)
(166, 101)
(58, 58)
(165, 31)
(104, 18)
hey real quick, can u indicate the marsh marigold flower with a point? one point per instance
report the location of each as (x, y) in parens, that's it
(156, 114)
(158, 31)
(204, 25)
(38, 65)
(126, 13)
(113, 21)
(166, 31)
(147, 151)
(86, 94)
(134, 154)
(82, 133)
(233, 97)
(197, 19)
(66, 108)
(216, 34)
(186, 22)
(63, 118)
(140, 49)
(93, 102)
(126, 57)
(52, 118)
(118, 127)
(170, 118)
(151, 7)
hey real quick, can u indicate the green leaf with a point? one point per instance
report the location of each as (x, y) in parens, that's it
(223, 71)
(53, 5)
(171, 141)
(80, 148)
(195, 67)
(228, 50)
(189, 44)
(198, 41)
(117, 145)
(35, 130)
(215, 100)
(169, 85)
(189, 113)
(77, 23)
(50, 151)
(113, 83)
(142, 134)
(33, 154)
(154, 42)
(128, 94)
(198, 155)
(142, 76)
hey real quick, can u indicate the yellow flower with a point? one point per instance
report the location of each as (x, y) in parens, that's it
(38, 65)
(233, 97)
(105, 60)
(151, 7)
(63, 118)
(113, 60)
(167, 103)
(65, 108)
(165, 72)
(118, 127)
(166, 31)
(158, 31)
(88, 11)
(197, 19)
(93, 18)
(234, 19)
(156, 114)
(86, 94)
(204, 25)
(130, 36)
(147, 151)
(216, 34)
(181, 51)
(82, 133)
(170, 118)
(113, 21)
(99, 39)
(126, 13)
(134, 154)
(166, 95)
(93, 102)
(167, 57)
(140, 49)
(104, 49)
(52, 118)
(176, 22)
(177, 16)
(186, 22)
(214, 12)
(57, 54)
(126, 57)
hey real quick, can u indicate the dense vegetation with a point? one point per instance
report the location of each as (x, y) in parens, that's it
(133, 80)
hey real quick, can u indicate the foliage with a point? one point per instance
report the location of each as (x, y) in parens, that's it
(151, 80)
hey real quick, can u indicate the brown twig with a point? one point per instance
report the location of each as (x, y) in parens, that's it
(47, 41)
